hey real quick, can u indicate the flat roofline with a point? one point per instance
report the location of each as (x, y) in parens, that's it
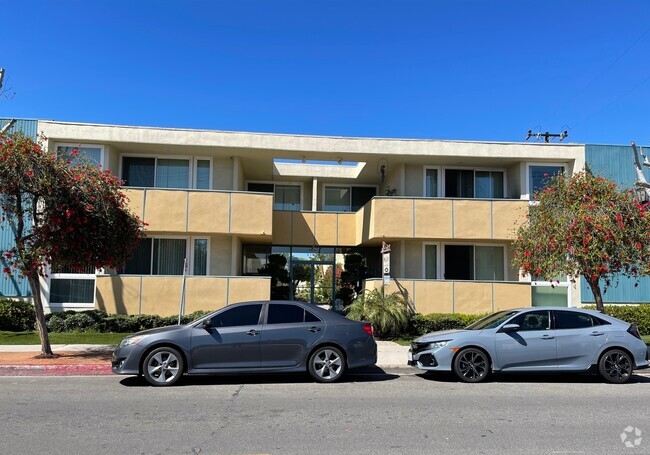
(315, 136)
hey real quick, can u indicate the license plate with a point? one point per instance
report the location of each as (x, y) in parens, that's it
(410, 354)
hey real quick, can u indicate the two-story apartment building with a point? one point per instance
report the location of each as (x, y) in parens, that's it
(269, 215)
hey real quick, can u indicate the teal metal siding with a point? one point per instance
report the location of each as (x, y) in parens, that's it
(616, 162)
(28, 127)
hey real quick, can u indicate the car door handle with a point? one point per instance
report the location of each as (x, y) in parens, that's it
(253, 332)
(314, 329)
(547, 337)
(597, 334)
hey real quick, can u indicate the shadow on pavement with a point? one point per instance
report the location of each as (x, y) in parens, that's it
(557, 378)
(372, 374)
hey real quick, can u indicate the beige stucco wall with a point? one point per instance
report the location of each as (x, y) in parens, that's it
(433, 219)
(135, 201)
(208, 212)
(251, 214)
(166, 210)
(413, 263)
(222, 174)
(414, 183)
(118, 294)
(220, 255)
(472, 219)
(506, 217)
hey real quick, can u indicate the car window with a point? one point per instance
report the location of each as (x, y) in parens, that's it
(572, 320)
(598, 321)
(492, 321)
(240, 315)
(310, 317)
(285, 314)
(533, 320)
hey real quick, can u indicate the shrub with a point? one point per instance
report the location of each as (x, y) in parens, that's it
(17, 316)
(421, 324)
(634, 314)
(388, 313)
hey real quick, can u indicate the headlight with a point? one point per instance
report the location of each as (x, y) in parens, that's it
(132, 340)
(438, 344)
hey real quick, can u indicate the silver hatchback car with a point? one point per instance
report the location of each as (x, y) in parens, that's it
(535, 339)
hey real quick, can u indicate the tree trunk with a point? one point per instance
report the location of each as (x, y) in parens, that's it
(35, 285)
(595, 289)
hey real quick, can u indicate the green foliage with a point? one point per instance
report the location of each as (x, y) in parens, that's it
(584, 225)
(634, 314)
(388, 313)
(16, 315)
(421, 324)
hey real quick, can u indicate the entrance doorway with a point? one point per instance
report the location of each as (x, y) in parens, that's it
(313, 281)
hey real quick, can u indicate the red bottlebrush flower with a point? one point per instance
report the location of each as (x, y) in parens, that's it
(527, 254)
(639, 246)
(68, 213)
(29, 173)
(7, 270)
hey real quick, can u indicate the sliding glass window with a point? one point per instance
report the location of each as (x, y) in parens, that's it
(466, 183)
(286, 197)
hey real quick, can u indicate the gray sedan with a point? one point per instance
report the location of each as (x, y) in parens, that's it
(251, 337)
(535, 339)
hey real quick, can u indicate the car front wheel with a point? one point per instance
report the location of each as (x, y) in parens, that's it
(326, 364)
(615, 366)
(163, 367)
(472, 365)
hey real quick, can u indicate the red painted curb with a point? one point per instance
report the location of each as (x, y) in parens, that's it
(55, 370)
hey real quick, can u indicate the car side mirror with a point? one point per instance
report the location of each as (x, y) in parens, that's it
(206, 324)
(510, 328)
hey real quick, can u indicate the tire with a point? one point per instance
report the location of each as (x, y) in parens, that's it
(471, 365)
(326, 364)
(163, 367)
(615, 366)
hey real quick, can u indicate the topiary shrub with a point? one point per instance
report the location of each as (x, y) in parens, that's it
(16, 316)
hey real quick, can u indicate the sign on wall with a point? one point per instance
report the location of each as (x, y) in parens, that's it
(385, 253)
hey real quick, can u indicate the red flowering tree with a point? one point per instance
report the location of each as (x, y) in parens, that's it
(60, 215)
(584, 225)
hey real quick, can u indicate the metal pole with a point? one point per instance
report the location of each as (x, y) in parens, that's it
(181, 305)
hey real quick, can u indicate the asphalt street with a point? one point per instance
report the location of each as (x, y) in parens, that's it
(369, 413)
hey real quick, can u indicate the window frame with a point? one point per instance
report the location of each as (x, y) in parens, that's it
(557, 312)
(443, 181)
(350, 186)
(527, 195)
(283, 183)
(424, 260)
(442, 270)
(196, 171)
(191, 178)
(424, 181)
(47, 288)
(191, 259)
(102, 160)
(189, 254)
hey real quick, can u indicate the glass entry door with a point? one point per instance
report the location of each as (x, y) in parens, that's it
(313, 281)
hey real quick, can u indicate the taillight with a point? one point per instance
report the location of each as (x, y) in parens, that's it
(368, 328)
(633, 330)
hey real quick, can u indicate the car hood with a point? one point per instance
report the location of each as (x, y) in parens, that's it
(169, 328)
(434, 336)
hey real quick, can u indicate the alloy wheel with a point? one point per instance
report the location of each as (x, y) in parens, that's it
(326, 364)
(616, 366)
(471, 365)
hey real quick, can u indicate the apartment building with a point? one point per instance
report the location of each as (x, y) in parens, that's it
(256, 216)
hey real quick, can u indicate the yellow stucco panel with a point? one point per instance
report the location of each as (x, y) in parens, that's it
(205, 293)
(166, 210)
(248, 289)
(251, 214)
(282, 227)
(472, 298)
(433, 297)
(392, 218)
(208, 212)
(326, 230)
(135, 201)
(512, 295)
(118, 294)
(161, 295)
(433, 219)
(347, 229)
(507, 216)
(303, 228)
(472, 220)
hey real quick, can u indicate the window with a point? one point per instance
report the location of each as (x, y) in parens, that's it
(538, 177)
(430, 262)
(533, 320)
(309, 317)
(347, 198)
(238, 316)
(74, 286)
(157, 172)
(161, 256)
(467, 183)
(431, 182)
(468, 262)
(85, 154)
(285, 314)
(572, 320)
(285, 197)
(200, 257)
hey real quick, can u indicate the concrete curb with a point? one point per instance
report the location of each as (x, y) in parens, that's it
(56, 370)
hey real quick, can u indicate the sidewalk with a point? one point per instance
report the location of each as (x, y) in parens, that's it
(92, 360)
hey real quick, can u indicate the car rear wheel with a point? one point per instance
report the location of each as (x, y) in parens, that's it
(326, 364)
(163, 367)
(472, 365)
(615, 366)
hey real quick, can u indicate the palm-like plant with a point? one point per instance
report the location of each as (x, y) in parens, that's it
(388, 313)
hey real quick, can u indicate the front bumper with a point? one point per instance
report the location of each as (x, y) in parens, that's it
(126, 360)
(422, 357)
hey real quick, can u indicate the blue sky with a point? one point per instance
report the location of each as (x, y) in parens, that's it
(468, 70)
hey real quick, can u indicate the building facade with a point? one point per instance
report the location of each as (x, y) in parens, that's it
(257, 216)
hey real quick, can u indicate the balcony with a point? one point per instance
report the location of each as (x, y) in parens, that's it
(203, 212)
(471, 297)
(151, 294)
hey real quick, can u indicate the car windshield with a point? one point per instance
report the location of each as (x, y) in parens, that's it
(492, 321)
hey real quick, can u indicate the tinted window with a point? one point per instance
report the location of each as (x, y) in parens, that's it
(309, 317)
(598, 321)
(571, 320)
(242, 315)
(492, 321)
(534, 320)
(285, 314)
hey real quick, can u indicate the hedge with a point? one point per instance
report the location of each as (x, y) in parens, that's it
(99, 321)
(421, 324)
(634, 314)
(16, 316)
